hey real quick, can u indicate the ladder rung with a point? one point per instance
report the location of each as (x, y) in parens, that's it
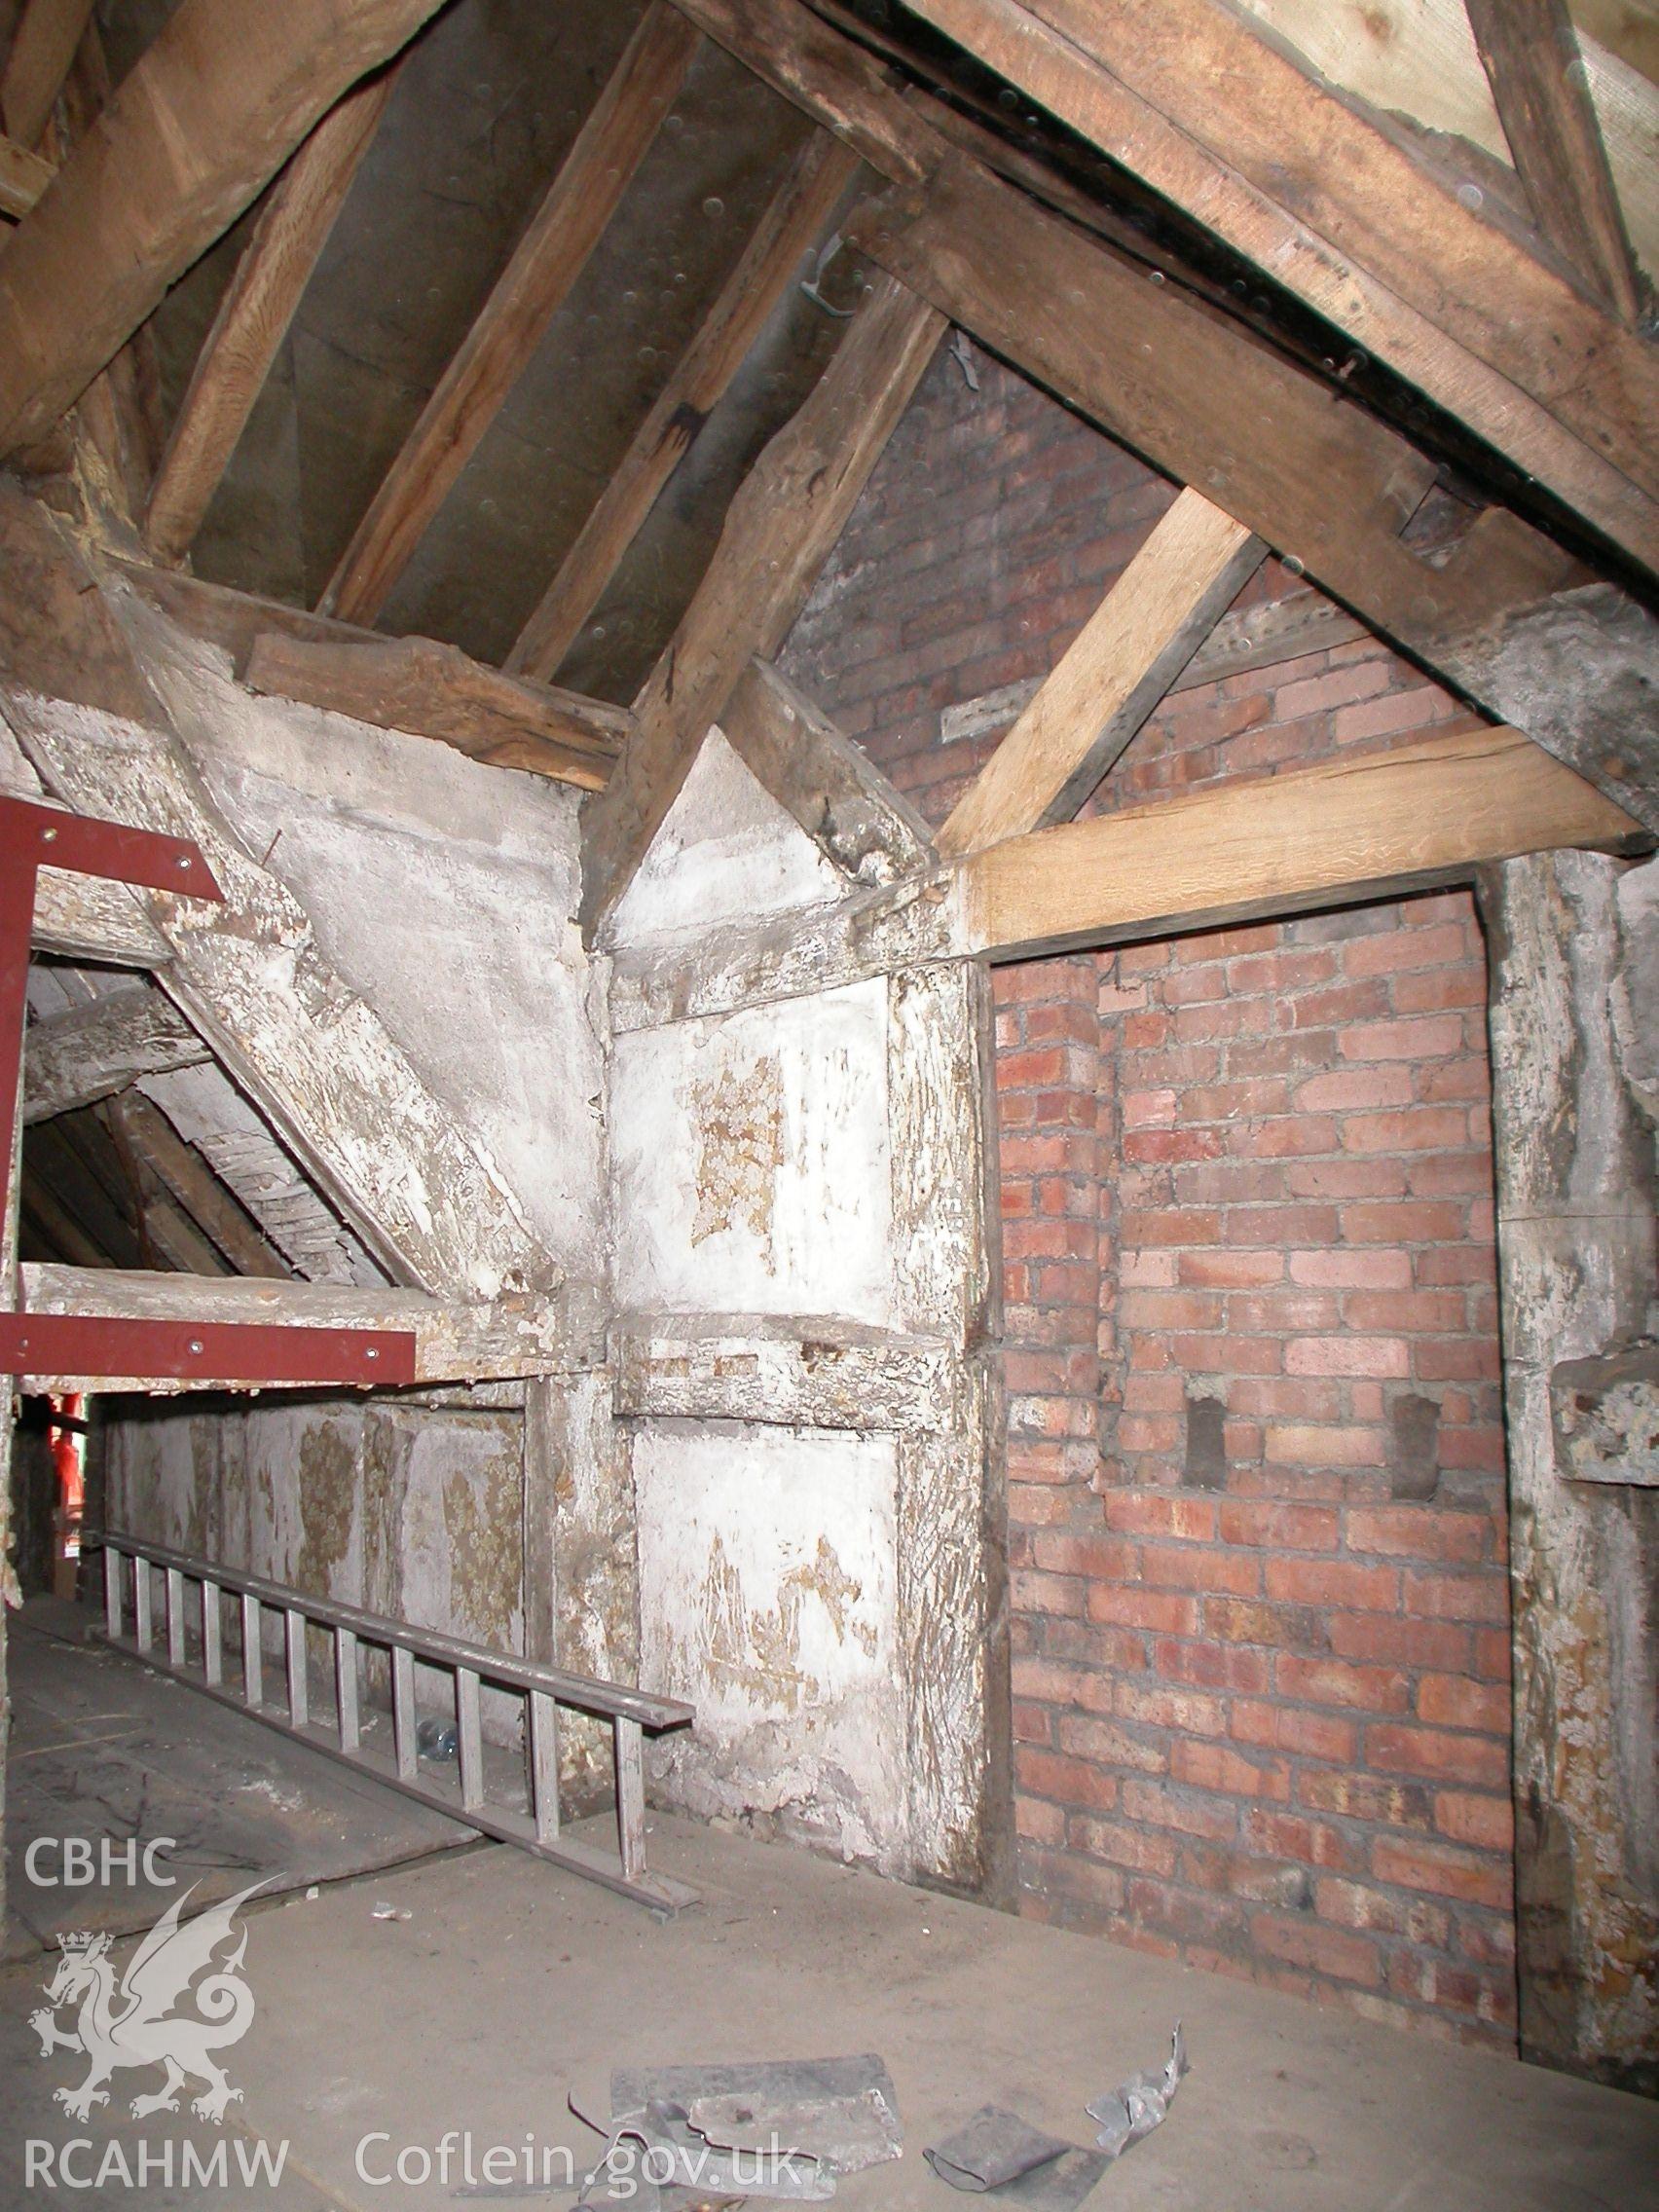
(253, 1658)
(112, 1591)
(630, 1797)
(345, 1687)
(536, 1829)
(469, 1738)
(175, 1617)
(403, 1710)
(544, 1763)
(299, 1689)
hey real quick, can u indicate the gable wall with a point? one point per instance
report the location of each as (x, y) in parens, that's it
(1261, 1685)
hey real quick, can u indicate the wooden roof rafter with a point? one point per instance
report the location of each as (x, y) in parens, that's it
(203, 123)
(213, 1209)
(42, 47)
(795, 221)
(240, 349)
(550, 256)
(1530, 52)
(779, 531)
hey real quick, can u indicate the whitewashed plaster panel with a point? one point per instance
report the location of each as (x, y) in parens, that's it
(768, 1597)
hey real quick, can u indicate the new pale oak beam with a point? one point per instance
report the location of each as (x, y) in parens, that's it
(253, 317)
(791, 226)
(779, 531)
(529, 291)
(197, 129)
(1111, 678)
(1346, 832)
(1247, 849)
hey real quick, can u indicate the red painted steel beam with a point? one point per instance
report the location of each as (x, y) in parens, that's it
(218, 1351)
(33, 837)
(45, 836)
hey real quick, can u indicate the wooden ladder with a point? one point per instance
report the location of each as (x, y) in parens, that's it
(192, 1595)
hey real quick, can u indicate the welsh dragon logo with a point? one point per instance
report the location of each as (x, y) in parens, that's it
(137, 2024)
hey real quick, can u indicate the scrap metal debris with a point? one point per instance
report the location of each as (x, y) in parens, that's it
(1139, 2105)
(784, 2130)
(998, 2153)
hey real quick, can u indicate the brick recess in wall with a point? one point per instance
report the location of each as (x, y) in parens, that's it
(1255, 1451)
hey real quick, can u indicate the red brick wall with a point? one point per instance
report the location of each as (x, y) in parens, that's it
(1255, 1455)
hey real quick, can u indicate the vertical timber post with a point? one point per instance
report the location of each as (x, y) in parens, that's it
(1575, 1088)
(952, 1518)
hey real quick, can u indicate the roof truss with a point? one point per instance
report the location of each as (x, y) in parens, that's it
(1347, 218)
(1190, 99)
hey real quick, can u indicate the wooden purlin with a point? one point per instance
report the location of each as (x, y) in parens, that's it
(92, 1051)
(414, 684)
(434, 691)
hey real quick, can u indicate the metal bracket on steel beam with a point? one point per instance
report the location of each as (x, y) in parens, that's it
(33, 837)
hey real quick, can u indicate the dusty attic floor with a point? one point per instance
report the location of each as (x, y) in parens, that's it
(509, 1986)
